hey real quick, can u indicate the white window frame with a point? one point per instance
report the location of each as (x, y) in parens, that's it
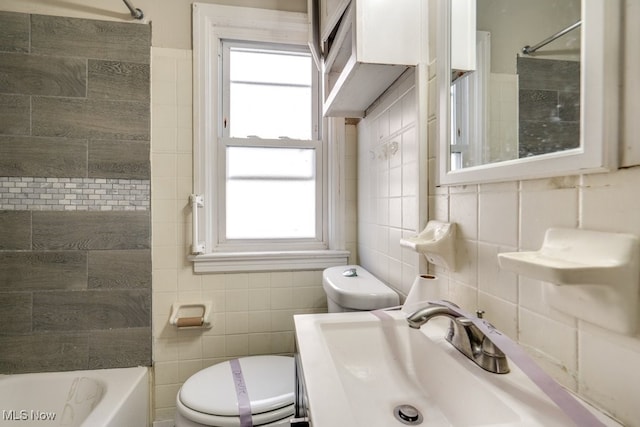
(319, 241)
(211, 25)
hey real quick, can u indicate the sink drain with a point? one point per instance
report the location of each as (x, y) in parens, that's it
(408, 415)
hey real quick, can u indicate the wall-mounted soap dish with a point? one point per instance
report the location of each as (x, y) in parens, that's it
(436, 243)
(595, 275)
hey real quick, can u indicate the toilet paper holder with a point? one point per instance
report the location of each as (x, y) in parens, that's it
(190, 314)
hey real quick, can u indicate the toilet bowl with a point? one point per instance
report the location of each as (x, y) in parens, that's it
(352, 288)
(209, 397)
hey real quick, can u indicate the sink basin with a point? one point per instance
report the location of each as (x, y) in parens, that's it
(359, 368)
(398, 365)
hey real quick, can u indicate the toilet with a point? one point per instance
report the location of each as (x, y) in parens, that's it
(209, 397)
(352, 288)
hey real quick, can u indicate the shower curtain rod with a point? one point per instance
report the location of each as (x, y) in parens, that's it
(531, 49)
(135, 12)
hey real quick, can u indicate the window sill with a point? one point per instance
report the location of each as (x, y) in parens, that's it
(229, 262)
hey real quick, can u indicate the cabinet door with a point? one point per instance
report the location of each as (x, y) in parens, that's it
(388, 32)
(330, 13)
(463, 35)
(313, 39)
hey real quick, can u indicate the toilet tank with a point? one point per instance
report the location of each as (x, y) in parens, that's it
(361, 292)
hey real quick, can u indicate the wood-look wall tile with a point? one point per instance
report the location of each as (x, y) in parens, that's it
(91, 310)
(15, 230)
(540, 105)
(119, 309)
(120, 269)
(20, 271)
(43, 75)
(14, 32)
(119, 41)
(133, 349)
(547, 137)
(569, 106)
(43, 157)
(548, 74)
(15, 115)
(91, 230)
(61, 311)
(92, 119)
(119, 159)
(118, 80)
(48, 131)
(15, 312)
(48, 352)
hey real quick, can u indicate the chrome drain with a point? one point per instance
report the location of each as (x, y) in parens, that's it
(408, 415)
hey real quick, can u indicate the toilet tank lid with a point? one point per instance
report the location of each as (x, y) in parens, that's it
(270, 382)
(361, 292)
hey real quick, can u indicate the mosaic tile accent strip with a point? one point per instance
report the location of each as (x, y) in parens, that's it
(74, 194)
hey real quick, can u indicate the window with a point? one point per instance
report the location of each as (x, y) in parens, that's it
(273, 157)
(259, 157)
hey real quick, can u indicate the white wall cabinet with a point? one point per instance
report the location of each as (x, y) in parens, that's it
(330, 12)
(463, 35)
(374, 43)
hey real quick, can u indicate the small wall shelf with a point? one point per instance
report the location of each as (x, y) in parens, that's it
(592, 275)
(436, 243)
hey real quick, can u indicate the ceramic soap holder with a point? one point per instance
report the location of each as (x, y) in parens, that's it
(436, 243)
(592, 275)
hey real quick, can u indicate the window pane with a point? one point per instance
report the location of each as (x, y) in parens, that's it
(271, 193)
(270, 111)
(269, 209)
(265, 66)
(270, 93)
(263, 162)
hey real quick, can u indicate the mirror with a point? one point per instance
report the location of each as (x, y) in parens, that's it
(536, 95)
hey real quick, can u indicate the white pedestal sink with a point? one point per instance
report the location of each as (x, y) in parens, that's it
(359, 368)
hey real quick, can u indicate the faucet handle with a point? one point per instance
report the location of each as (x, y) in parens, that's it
(492, 358)
(490, 349)
(463, 321)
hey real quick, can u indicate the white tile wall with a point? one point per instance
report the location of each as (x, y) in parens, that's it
(508, 217)
(609, 372)
(252, 313)
(598, 364)
(536, 217)
(388, 185)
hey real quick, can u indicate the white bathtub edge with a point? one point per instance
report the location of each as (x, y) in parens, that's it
(129, 387)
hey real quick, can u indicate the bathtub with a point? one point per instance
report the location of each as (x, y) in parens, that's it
(100, 398)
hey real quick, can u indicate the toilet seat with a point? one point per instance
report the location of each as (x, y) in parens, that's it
(209, 396)
(222, 421)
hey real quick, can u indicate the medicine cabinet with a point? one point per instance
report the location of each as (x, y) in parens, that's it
(482, 131)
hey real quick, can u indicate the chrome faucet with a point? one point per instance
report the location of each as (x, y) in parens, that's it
(465, 337)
